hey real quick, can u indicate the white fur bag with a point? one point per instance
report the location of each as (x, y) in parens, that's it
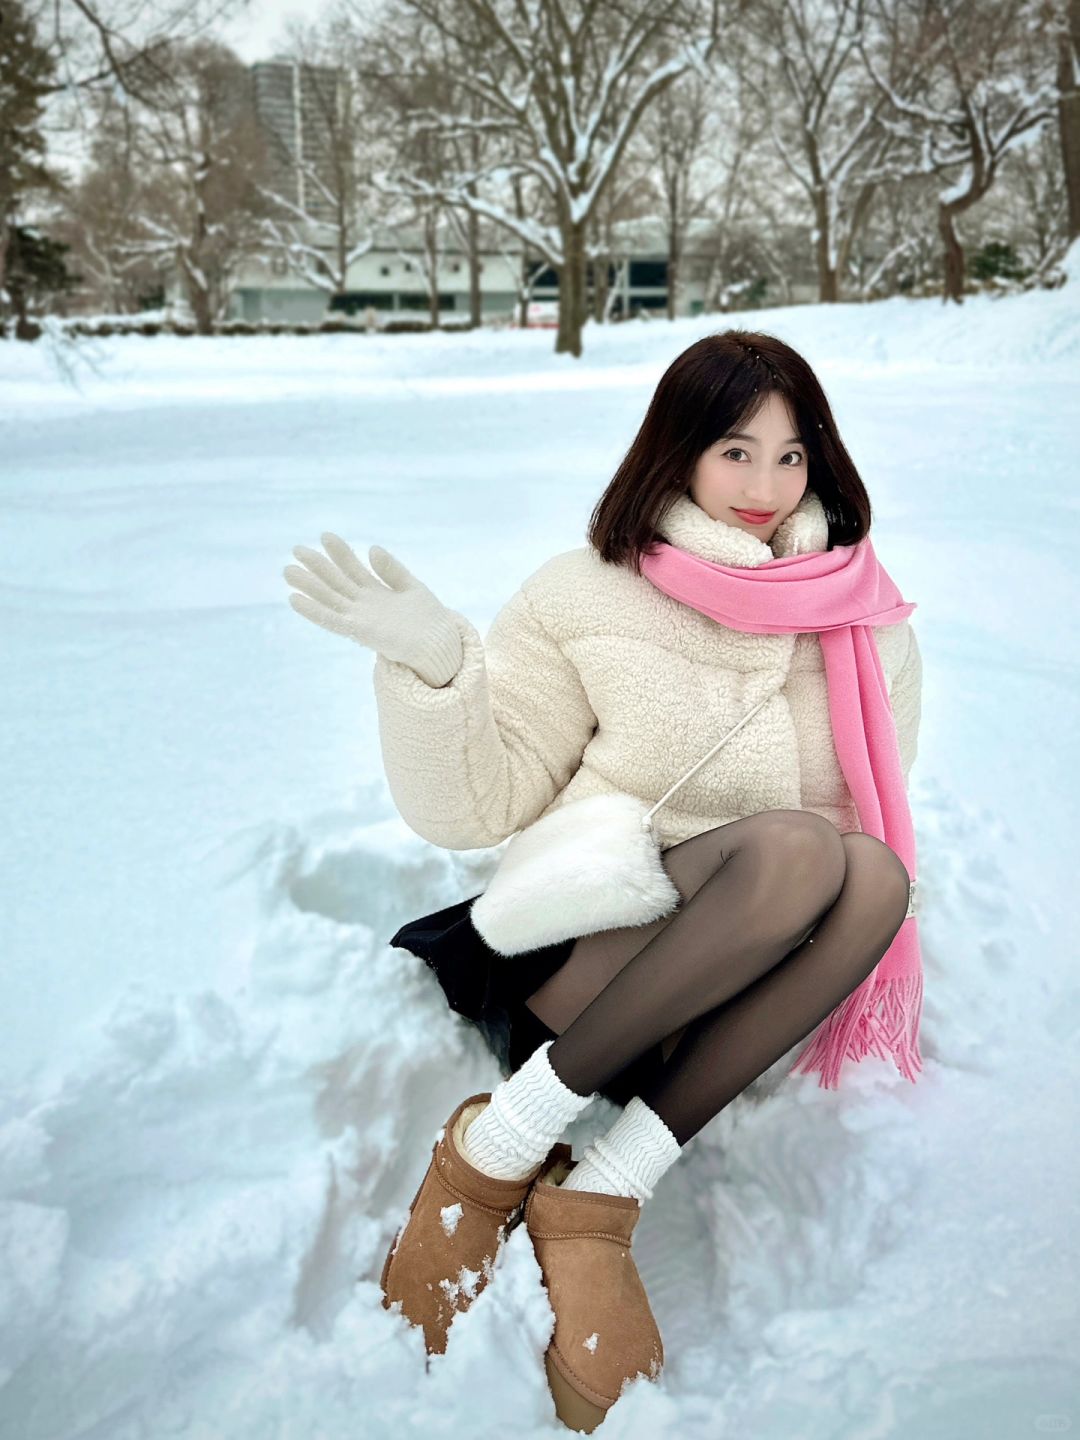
(590, 865)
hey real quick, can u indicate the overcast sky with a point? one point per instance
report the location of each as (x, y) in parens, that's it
(258, 31)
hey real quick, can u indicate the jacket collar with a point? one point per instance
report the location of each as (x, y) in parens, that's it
(692, 529)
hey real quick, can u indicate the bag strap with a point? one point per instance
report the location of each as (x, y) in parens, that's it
(646, 819)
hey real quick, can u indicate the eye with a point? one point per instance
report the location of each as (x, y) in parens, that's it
(798, 457)
(733, 450)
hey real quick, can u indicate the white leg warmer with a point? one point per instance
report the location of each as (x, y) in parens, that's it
(526, 1115)
(630, 1158)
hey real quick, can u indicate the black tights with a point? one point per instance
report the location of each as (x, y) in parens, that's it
(780, 918)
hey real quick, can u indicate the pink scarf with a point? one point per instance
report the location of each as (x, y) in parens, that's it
(839, 594)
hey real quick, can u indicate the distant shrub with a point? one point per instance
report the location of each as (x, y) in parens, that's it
(996, 260)
(413, 327)
(104, 327)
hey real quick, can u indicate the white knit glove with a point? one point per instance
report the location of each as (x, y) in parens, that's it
(401, 619)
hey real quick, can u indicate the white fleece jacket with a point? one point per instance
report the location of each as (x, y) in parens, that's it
(590, 680)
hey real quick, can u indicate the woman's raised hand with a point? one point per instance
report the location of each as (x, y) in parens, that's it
(400, 618)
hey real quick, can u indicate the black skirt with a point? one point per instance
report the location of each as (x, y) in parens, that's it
(490, 990)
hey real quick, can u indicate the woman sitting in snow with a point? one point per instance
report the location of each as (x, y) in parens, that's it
(728, 609)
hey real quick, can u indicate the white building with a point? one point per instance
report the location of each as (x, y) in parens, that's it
(390, 278)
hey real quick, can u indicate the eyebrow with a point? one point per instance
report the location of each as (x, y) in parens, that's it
(742, 435)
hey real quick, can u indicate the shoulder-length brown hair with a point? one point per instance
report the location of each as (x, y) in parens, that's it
(716, 386)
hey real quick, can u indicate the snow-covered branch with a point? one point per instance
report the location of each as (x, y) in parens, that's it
(559, 110)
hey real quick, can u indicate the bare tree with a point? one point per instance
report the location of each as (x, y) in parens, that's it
(114, 48)
(90, 47)
(26, 71)
(979, 82)
(516, 259)
(1028, 210)
(758, 231)
(421, 78)
(898, 250)
(329, 225)
(696, 138)
(465, 224)
(99, 219)
(427, 155)
(199, 135)
(1067, 25)
(562, 87)
(802, 60)
(427, 258)
(630, 195)
(743, 256)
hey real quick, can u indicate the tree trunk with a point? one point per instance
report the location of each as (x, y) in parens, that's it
(476, 312)
(17, 288)
(828, 281)
(828, 285)
(199, 300)
(582, 287)
(673, 283)
(194, 255)
(526, 290)
(952, 254)
(431, 265)
(1069, 113)
(526, 286)
(856, 222)
(601, 271)
(5, 241)
(674, 264)
(344, 231)
(571, 291)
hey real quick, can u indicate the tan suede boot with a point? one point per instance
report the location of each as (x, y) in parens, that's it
(444, 1254)
(605, 1333)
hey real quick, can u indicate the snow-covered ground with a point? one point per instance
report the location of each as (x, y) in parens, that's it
(218, 1084)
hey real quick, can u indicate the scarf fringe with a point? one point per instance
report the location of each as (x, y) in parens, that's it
(879, 1018)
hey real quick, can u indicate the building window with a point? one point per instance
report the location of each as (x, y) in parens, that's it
(349, 302)
(648, 273)
(540, 273)
(421, 300)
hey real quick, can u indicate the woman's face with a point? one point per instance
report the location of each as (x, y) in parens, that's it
(764, 470)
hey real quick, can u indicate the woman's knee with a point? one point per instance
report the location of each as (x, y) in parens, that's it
(792, 850)
(802, 845)
(876, 868)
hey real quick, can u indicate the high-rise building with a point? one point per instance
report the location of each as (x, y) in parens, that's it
(296, 107)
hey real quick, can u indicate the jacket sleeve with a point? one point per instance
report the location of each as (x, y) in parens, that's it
(906, 698)
(473, 761)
